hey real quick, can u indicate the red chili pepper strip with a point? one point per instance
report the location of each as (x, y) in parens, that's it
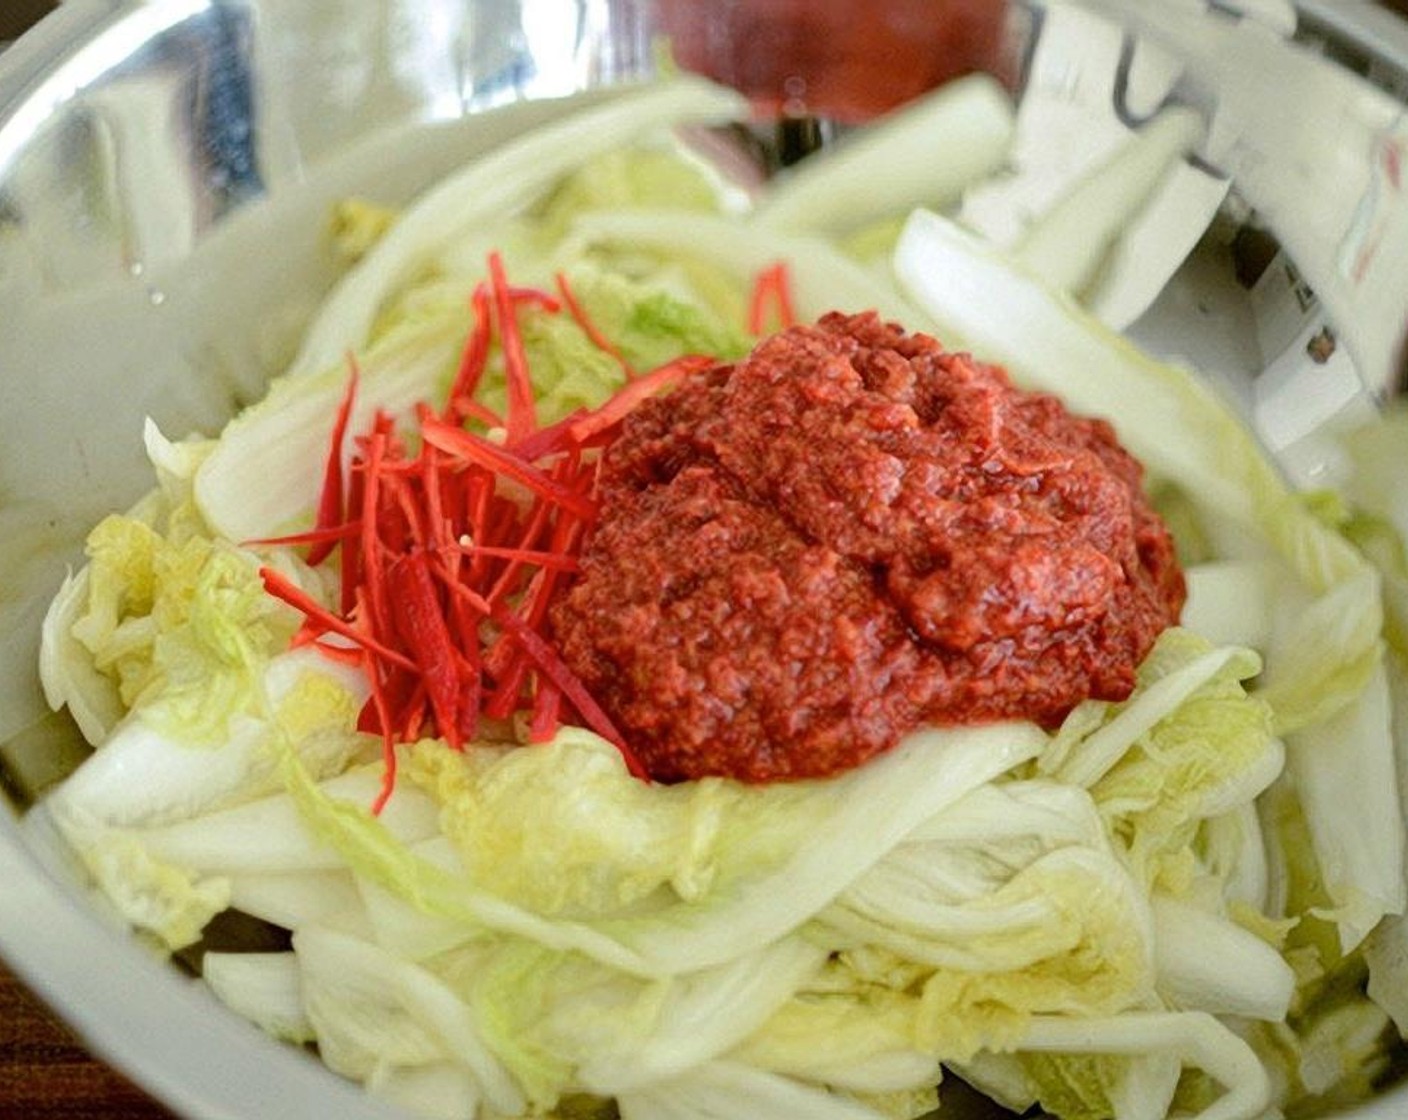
(782, 289)
(350, 555)
(552, 667)
(388, 740)
(345, 654)
(420, 622)
(534, 608)
(758, 302)
(467, 408)
(522, 410)
(457, 569)
(556, 560)
(589, 328)
(474, 358)
(547, 713)
(330, 500)
(566, 542)
(412, 516)
(504, 700)
(411, 721)
(478, 492)
(624, 400)
(440, 534)
(567, 534)
(553, 439)
(535, 297)
(332, 535)
(281, 588)
(537, 524)
(773, 284)
(560, 675)
(477, 449)
(373, 566)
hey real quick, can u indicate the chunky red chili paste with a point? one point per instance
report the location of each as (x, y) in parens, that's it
(803, 556)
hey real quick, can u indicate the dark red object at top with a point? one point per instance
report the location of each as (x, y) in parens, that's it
(840, 59)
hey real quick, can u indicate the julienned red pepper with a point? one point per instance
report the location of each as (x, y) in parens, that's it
(449, 560)
(553, 668)
(589, 328)
(522, 416)
(547, 713)
(467, 445)
(324, 621)
(333, 535)
(474, 359)
(561, 677)
(379, 707)
(349, 554)
(330, 501)
(615, 410)
(773, 285)
(419, 618)
(373, 574)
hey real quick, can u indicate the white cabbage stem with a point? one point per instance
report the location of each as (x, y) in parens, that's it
(1194, 1037)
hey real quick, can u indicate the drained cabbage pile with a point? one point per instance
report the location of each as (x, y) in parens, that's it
(1188, 902)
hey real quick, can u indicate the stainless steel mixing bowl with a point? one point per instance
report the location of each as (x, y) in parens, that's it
(165, 169)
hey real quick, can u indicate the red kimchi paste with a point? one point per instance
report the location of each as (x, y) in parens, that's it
(851, 533)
